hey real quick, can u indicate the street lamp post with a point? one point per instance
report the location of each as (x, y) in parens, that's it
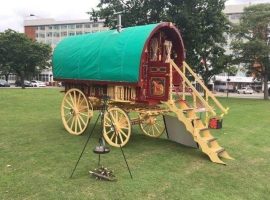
(228, 80)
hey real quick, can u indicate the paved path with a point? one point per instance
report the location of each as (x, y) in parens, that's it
(245, 96)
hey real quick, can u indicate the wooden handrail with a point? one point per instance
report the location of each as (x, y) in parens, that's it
(209, 108)
(208, 93)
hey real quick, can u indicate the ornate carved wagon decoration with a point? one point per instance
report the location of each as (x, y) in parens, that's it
(139, 68)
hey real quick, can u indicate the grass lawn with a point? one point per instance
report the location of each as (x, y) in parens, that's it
(37, 156)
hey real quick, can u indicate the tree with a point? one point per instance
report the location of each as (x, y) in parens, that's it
(5, 68)
(203, 25)
(25, 56)
(134, 12)
(201, 22)
(252, 42)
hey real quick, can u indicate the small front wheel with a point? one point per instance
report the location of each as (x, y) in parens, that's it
(116, 127)
(152, 125)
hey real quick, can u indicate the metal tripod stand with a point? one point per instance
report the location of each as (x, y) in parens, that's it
(104, 109)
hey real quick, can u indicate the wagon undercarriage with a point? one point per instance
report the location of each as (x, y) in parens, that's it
(77, 110)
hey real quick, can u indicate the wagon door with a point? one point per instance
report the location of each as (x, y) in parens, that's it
(158, 72)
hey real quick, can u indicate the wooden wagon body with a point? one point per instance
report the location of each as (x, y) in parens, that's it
(131, 65)
(138, 68)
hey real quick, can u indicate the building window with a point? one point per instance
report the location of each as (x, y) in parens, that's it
(49, 34)
(50, 27)
(235, 16)
(78, 32)
(55, 27)
(71, 33)
(79, 26)
(71, 26)
(95, 25)
(55, 34)
(41, 35)
(64, 27)
(36, 35)
(42, 28)
(63, 34)
(87, 26)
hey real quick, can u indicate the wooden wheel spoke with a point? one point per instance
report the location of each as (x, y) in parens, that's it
(123, 133)
(116, 117)
(84, 122)
(78, 100)
(76, 124)
(68, 108)
(156, 128)
(153, 130)
(111, 138)
(72, 123)
(112, 118)
(124, 127)
(72, 100)
(79, 122)
(70, 104)
(84, 114)
(75, 98)
(107, 118)
(67, 114)
(69, 118)
(120, 136)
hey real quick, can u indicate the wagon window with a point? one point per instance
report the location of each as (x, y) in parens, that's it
(154, 69)
(162, 69)
(154, 49)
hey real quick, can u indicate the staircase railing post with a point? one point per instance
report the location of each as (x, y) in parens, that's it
(184, 83)
(194, 100)
(171, 83)
(206, 112)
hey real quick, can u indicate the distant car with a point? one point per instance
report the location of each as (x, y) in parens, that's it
(245, 90)
(26, 84)
(36, 83)
(4, 83)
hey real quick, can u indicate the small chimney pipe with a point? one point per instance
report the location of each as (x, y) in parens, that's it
(119, 23)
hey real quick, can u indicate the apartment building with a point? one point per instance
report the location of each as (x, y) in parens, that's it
(51, 31)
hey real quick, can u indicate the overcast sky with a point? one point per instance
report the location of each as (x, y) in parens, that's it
(13, 12)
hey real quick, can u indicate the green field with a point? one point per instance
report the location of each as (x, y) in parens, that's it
(37, 156)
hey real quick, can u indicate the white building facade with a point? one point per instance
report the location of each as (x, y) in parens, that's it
(50, 31)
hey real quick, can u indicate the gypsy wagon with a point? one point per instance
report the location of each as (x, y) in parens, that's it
(138, 68)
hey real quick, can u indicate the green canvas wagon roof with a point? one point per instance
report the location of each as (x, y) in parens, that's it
(103, 56)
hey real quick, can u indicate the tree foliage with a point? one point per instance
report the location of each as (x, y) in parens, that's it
(21, 55)
(251, 44)
(201, 22)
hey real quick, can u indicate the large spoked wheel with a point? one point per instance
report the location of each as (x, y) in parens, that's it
(116, 127)
(152, 125)
(76, 111)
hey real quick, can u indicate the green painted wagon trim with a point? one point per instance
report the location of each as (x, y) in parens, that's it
(102, 56)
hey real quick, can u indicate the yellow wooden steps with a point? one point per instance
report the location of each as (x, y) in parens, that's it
(199, 131)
